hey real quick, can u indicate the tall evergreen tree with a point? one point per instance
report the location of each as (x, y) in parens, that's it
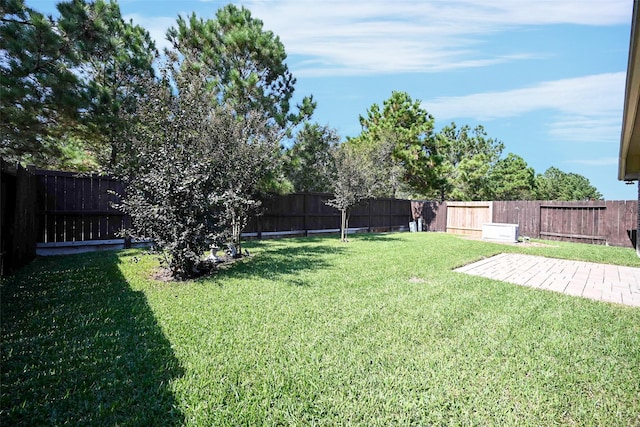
(245, 64)
(468, 157)
(555, 184)
(405, 130)
(310, 163)
(115, 65)
(40, 95)
(512, 179)
(68, 79)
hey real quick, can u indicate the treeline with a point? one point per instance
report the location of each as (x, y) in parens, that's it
(402, 156)
(197, 132)
(70, 85)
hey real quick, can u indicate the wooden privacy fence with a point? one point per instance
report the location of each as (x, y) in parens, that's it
(76, 208)
(44, 210)
(18, 216)
(597, 222)
(467, 217)
(79, 209)
(50, 211)
(308, 213)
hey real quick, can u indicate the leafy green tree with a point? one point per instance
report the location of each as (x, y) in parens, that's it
(310, 163)
(468, 157)
(555, 184)
(512, 179)
(196, 170)
(115, 64)
(245, 64)
(40, 95)
(67, 80)
(355, 181)
(472, 181)
(404, 130)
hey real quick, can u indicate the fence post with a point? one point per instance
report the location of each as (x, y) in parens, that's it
(4, 213)
(306, 214)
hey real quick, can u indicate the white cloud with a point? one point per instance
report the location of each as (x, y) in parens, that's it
(606, 161)
(378, 37)
(605, 128)
(157, 27)
(359, 37)
(584, 108)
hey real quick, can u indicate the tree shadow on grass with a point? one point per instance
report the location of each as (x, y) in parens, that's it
(282, 260)
(80, 347)
(375, 237)
(323, 238)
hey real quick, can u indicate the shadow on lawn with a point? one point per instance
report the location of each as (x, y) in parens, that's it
(375, 237)
(283, 261)
(79, 347)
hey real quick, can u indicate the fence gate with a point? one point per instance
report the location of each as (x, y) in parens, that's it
(466, 218)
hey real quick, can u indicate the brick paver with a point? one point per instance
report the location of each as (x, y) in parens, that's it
(601, 282)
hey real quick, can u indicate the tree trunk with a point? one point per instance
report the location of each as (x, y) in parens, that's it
(344, 229)
(236, 230)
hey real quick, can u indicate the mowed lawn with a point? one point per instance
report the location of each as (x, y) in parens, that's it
(377, 331)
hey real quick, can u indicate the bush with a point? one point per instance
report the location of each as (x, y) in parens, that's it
(193, 168)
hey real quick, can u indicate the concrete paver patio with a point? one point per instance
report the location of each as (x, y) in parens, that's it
(601, 282)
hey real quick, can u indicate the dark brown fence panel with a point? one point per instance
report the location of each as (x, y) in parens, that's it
(18, 217)
(78, 208)
(320, 216)
(360, 215)
(400, 213)
(620, 223)
(282, 213)
(525, 213)
(381, 215)
(581, 222)
(595, 222)
(309, 212)
(373, 214)
(26, 220)
(434, 214)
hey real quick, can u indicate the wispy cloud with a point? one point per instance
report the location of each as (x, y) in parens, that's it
(157, 27)
(607, 161)
(379, 37)
(365, 37)
(585, 108)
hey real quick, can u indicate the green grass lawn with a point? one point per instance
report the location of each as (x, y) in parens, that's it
(376, 331)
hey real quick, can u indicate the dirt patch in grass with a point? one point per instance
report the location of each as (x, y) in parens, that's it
(207, 268)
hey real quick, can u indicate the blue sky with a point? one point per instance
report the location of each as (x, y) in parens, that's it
(545, 77)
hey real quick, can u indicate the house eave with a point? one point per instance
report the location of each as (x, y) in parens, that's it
(629, 160)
